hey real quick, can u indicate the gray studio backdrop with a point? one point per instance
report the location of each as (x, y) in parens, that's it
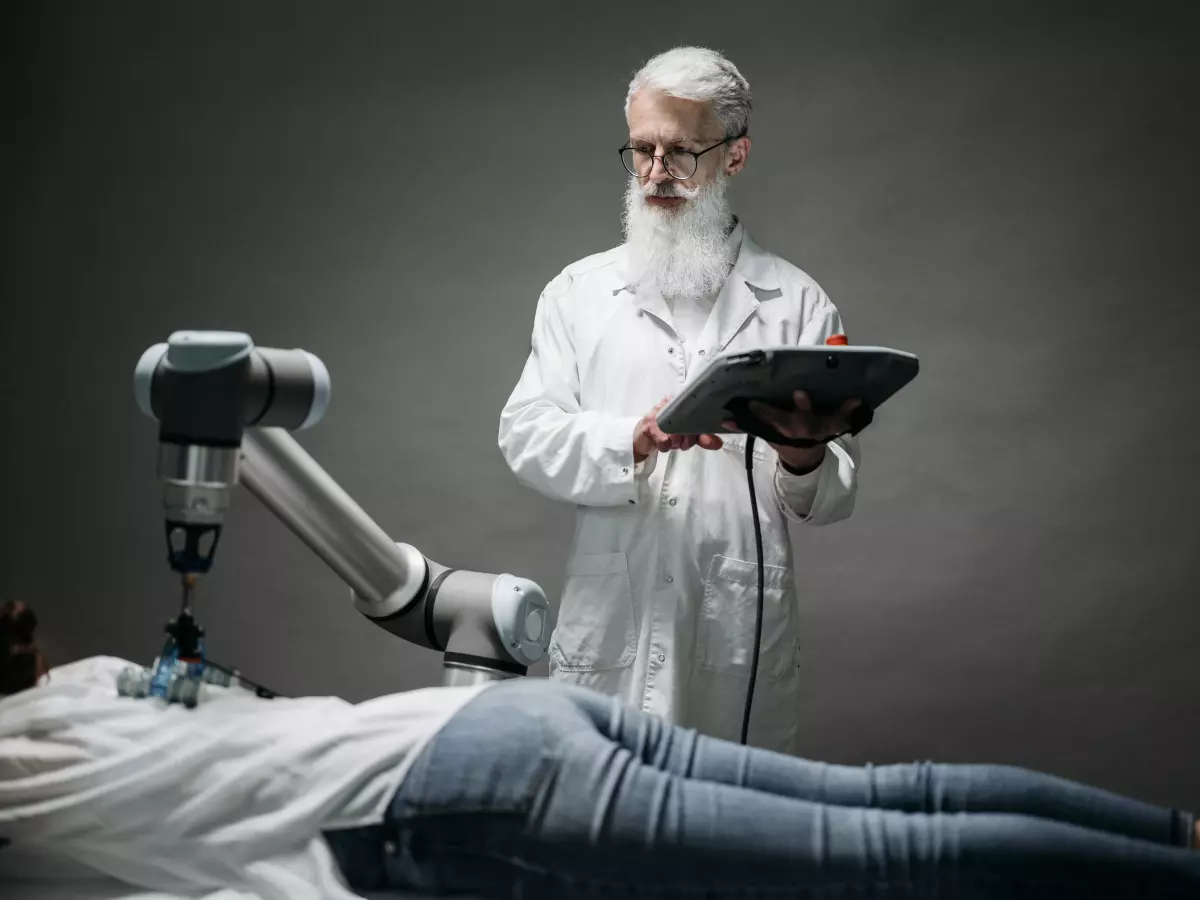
(1008, 190)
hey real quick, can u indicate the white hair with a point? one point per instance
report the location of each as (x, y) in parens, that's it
(700, 74)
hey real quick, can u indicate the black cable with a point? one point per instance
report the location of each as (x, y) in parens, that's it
(745, 419)
(236, 677)
(758, 617)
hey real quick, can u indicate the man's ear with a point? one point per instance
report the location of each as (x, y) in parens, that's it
(735, 159)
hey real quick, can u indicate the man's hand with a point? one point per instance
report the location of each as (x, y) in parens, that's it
(803, 423)
(648, 437)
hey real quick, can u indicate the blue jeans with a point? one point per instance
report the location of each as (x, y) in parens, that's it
(541, 790)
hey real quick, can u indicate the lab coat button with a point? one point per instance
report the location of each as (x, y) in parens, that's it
(671, 350)
(672, 501)
(669, 579)
(662, 657)
(701, 352)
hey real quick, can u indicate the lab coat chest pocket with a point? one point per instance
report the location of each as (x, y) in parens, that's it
(595, 627)
(736, 444)
(725, 630)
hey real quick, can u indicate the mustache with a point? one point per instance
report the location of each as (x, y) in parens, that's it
(667, 189)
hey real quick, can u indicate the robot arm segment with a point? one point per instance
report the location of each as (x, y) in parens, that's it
(479, 621)
(225, 409)
(386, 577)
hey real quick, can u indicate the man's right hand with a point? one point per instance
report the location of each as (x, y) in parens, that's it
(648, 437)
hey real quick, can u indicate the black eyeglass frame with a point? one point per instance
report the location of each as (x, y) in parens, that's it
(695, 155)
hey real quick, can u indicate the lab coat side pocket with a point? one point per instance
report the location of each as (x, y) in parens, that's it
(725, 630)
(595, 628)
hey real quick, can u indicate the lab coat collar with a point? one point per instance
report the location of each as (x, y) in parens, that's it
(752, 280)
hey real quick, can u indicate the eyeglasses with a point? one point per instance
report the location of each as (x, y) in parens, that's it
(679, 164)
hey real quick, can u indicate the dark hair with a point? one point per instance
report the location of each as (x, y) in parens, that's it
(22, 663)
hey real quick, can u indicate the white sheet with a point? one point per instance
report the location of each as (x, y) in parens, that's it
(214, 803)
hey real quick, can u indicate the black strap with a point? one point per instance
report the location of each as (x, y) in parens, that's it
(430, 600)
(745, 419)
(266, 407)
(482, 662)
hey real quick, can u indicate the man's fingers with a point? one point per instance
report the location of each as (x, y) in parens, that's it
(839, 422)
(662, 440)
(730, 425)
(802, 401)
(763, 411)
(790, 424)
(666, 442)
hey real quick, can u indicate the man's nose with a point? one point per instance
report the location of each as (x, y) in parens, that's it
(658, 171)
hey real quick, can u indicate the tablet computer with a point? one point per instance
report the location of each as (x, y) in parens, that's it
(829, 374)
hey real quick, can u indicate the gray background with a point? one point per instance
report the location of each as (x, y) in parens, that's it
(1008, 190)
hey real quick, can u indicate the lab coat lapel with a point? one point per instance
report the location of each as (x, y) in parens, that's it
(643, 297)
(650, 300)
(753, 280)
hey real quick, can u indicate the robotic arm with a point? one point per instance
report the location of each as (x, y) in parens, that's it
(225, 410)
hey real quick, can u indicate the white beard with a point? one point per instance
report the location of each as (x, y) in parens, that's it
(683, 253)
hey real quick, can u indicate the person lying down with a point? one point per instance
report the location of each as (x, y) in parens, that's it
(524, 788)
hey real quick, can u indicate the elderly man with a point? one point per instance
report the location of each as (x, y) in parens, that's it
(661, 585)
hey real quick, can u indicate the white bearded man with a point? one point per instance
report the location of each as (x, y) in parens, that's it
(661, 590)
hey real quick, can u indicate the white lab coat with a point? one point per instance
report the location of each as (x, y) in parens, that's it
(661, 583)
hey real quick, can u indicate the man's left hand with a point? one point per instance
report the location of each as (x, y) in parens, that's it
(801, 422)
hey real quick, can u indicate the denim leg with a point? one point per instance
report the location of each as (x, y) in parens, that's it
(914, 788)
(479, 777)
(536, 791)
(616, 824)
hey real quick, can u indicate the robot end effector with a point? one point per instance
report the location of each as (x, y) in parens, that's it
(225, 410)
(206, 389)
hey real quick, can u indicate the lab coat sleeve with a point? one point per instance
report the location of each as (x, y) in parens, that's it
(550, 442)
(825, 495)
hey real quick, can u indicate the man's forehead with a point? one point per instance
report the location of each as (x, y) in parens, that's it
(662, 136)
